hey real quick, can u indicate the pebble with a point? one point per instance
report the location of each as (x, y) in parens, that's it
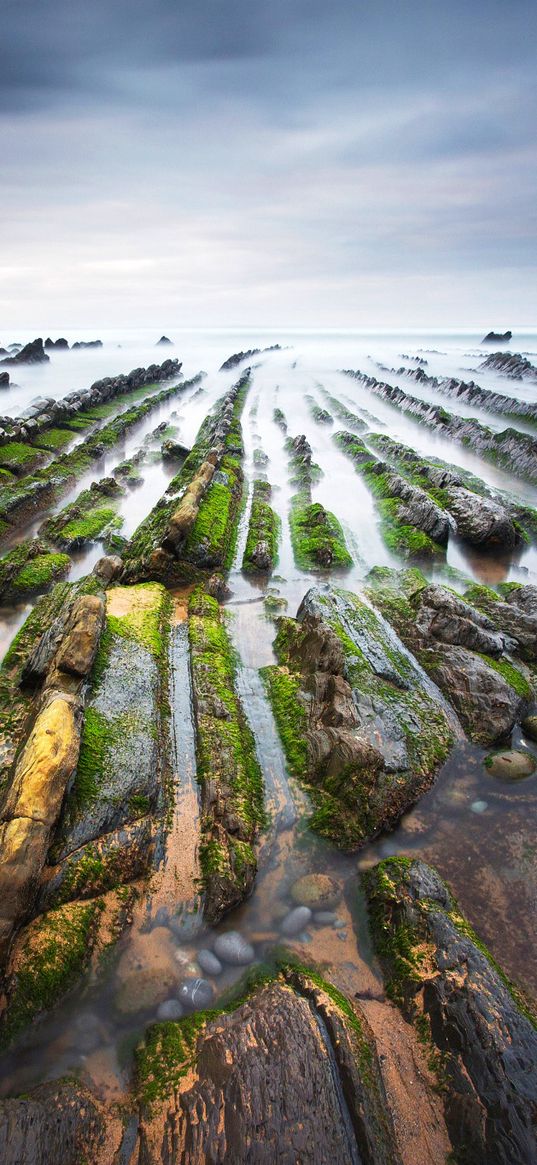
(170, 1009)
(196, 993)
(209, 962)
(339, 924)
(232, 948)
(317, 891)
(296, 920)
(342, 934)
(479, 806)
(324, 917)
(511, 764)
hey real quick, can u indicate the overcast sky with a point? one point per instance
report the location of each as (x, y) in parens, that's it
(228, 162)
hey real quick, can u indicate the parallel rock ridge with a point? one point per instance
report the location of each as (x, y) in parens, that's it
(369, 693)
(357, 719)
(445, 980)
(45, 411)
(510, 447)
(476, 660)
(472, 393)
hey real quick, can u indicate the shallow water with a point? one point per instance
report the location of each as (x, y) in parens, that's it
(475, 829)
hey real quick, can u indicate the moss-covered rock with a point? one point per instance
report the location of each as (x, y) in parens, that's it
(47, 961)
(33, 491)
(261, 551)
(228, 769)
(193, 528)
(291, 1032)
(357, 722)
(317, 538)
(41, 571)
(483, 1042)
(411, 523)
(460, 648)
(119, 777)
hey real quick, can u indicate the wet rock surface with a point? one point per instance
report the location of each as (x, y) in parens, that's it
(59, 1122)
(291, 1044)
(233, 948)
(460, 649)
(487, 1044)
(510, 447)
(374, 729)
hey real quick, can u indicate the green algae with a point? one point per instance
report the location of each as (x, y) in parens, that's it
(211, 541)
(317, 538)
(89, 526)
(19, 457)
(264, 526)
(55, 952)
(283, 690)
(40, 571)
(226, 749)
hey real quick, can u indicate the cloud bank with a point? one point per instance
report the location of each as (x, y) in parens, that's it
(225, 163)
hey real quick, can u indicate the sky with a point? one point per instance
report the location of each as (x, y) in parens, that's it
(215, 163)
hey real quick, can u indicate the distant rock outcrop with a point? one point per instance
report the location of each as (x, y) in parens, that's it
(497, 337)
(163, 340)
(32, 353)
(45, 411)
(87, 344)
(511, 364)
(4, 379)
(61, 343)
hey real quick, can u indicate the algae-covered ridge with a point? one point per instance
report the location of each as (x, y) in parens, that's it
(49, 483)
(227, 761)
(404, 945)
(211, 540)
(53, 954)
(351, 799)
(497, 447)
(422, 471)
(317, 538)
(169, 1050)
(263, 528)
(36, 562)
(142, 619)
(399, 535)
(396, 594)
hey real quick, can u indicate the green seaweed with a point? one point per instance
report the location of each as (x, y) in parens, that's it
(316, 536)
(55, 953)
(40, 571)
(264, 526)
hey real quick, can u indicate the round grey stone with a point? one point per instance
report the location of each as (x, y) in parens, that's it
(196, 993)
(233, 948)
(209, 962)
(296, 920)
(170, 1009)
(324, 917)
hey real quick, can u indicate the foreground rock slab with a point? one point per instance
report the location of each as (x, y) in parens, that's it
(290, 1075)
(484, 1042)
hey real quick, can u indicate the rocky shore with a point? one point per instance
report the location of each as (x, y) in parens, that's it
(202, 956)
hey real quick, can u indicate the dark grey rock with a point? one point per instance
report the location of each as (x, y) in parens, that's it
(196, 993)
(296, 920)
(170, 1009)
(232, 948)
(209, 962)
